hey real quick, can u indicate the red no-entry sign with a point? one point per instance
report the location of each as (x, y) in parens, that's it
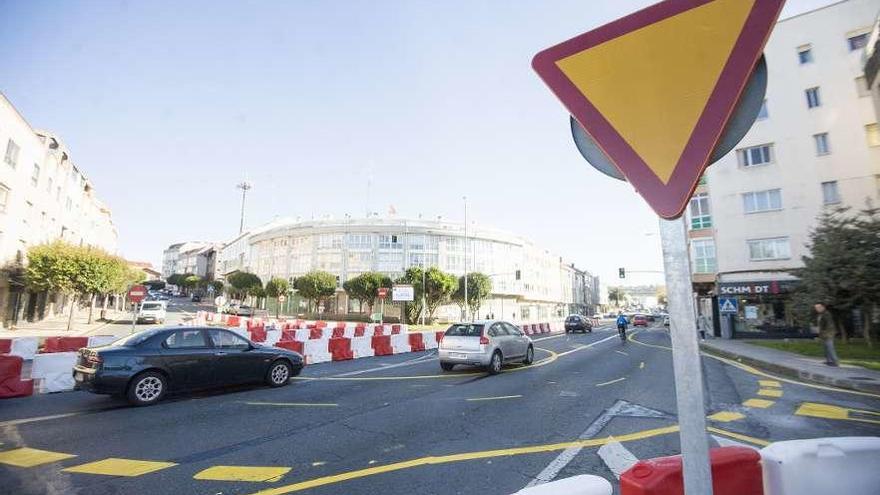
(137, 293)
(383, 292)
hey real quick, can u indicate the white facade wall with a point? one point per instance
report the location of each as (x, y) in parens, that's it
(796, 168)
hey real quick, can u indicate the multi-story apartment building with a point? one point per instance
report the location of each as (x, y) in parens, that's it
(44, 197)
(528, 282)
(193, 257)
(815, 145)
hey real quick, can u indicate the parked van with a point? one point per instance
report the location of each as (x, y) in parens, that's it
(152, 312)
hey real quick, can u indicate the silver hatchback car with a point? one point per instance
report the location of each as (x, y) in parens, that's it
(487, 343)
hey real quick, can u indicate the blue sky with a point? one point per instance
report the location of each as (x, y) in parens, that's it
(167, 105)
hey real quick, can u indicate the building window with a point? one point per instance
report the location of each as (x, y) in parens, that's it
(862, 88)
(756, 155)
(763, 113)
(821, 140)
(769, 249)
(857, 42)
(805, 54)
(813, 97)
(758, 201)
(11, 157)
(4, 198)
(35, 175)
(390, 241)
(360, 241)
(704, 255)
(830, 194)
(330, 241)
(701, 218)
(872, 134)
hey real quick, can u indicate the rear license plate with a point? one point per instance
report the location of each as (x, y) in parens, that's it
(458, 355)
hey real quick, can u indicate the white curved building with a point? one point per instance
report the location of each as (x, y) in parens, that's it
(547, 285)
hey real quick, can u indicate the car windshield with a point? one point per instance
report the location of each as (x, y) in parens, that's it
(573, 318)
(149, 306)
(465, 330)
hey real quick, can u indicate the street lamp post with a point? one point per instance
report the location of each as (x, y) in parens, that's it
(245, 186)
(465, 258)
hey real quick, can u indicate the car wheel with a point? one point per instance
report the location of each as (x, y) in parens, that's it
(530, 356)
(447, 366)
(495, 363)
(147, 388)
(278, 374)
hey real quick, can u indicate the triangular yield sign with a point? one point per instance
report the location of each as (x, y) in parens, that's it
(656, 88)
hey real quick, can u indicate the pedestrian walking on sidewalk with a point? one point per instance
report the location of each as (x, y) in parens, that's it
(702, 325)
(826, 333)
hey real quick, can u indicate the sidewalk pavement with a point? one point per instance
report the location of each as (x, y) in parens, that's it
(795, 366)
(57, 325)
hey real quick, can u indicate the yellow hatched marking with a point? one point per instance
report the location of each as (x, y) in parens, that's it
(114, 466)
(827, 411)
(769, 392)
(726, 416)
(242, 473)
(759, 403)
(27, 457)
(769, 383)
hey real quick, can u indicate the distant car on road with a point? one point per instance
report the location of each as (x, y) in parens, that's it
(196, 298)
(640, 321)
(486, 343)
(240, 310)
(578, 323)
(152, 312)
(145, 366)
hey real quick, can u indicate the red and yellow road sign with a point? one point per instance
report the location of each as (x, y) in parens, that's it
(655, 89)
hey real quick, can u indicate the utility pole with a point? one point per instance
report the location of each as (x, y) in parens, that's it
(245, 186)
(465, 259)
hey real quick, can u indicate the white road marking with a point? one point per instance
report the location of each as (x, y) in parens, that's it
(381, 367)
(15, 422)
(617, 457)
(726, 442)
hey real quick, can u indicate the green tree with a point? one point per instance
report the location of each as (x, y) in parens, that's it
(438, 290)
(155, 284)
(274, 288)
(192, 282)
(176, 279)
(616, 295)
(364, 287)
(479, 286)
(218, 286)
(241, 282)
(316, 286)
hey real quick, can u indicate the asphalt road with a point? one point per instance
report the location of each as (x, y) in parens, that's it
(397, 424)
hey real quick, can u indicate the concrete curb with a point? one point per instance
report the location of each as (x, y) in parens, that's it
(791, 372)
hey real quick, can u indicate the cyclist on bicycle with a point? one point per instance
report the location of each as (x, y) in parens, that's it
(621, 326)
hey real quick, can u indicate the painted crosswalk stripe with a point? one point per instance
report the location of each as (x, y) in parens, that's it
(770, 392)
(27, 457)
(242, 473)
(758, 403)
(114, 466)
(726, 416)
(617, 457)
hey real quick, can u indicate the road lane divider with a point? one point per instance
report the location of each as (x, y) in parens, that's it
(114, 466)
(726, 416)
(616, 457)
(828, 411)
(292, 404)
(611, 382)
(758, 403)
(770, 392)
(500, 397)
(242, 473)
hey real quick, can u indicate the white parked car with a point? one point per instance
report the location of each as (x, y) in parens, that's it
(152, 312)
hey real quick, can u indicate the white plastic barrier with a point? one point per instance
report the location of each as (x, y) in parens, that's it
(430, 340)
(362, 347)
(584, 484)
(822, 466)
(54, 371)
(302, 334)
(316, 351)
(241, 331)
(99, 340)
(24, 347)
(272, 337)
(400, 343)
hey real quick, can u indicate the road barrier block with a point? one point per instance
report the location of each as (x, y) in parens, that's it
(735, 471)
(584, 484)
(5, 346)
(54, 371)
(340, 349)
(416, 342)
(382, 345)
(291, 345)
(400, 343)
(273, 335)
(315, 351)
(11, 383)
(64, 344)
(842, 465)
(258, 334)
(362, 347)
(316, 333)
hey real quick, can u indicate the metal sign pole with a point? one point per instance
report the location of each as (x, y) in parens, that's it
(686, 360)
(134, 306)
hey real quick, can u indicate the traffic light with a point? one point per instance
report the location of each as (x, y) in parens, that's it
(518, 274)
(622, 272)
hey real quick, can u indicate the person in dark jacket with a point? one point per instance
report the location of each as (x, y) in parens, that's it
(826, 333)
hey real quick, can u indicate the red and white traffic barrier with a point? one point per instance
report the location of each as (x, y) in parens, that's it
(11, 382)
(52, 371)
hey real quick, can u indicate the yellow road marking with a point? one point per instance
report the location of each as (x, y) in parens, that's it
(827, 411)
(769, 383)
(759, 403)
(738, 436)
(292, 404)
(242, 473)
(757, 372)
(466, 456)
(494, 398)
(27, 457)
(612, 381)
(770, 392)
(726, 416)
(119, 467)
